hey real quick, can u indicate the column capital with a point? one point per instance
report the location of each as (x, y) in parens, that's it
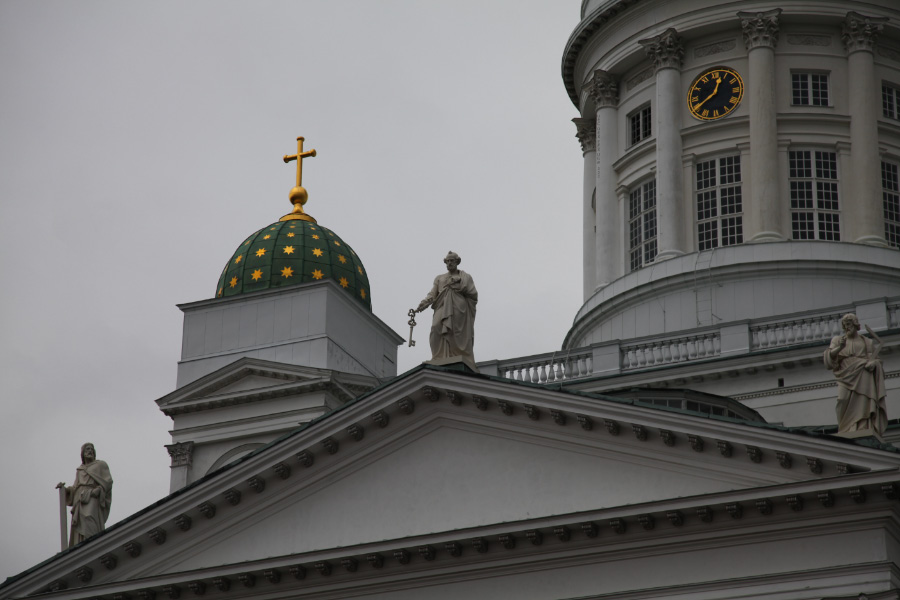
(665, 50)
(760, 29)
(603, 89)
(586, 133)
(181, 453)
(859, 32)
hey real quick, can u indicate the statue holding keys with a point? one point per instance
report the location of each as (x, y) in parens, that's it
(453, 297)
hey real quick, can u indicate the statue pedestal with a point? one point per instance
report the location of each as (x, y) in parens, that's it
(453, 360)
(861, 433)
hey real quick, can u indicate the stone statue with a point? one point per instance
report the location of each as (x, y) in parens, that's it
(90, 496)
(860, 377)
(453, 297)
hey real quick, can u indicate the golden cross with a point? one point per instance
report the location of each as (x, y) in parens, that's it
(299, 158)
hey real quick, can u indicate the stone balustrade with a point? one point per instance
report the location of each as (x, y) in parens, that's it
(666, 352)
(726, 340)
(796, 331)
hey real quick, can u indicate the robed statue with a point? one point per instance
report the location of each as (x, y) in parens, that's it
(861, 407)
(90, 496)
(453, 298)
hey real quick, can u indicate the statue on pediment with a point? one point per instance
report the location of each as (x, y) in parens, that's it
(453, 298)
(90, 496)
(861, 408)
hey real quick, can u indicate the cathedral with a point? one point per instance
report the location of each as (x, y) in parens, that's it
(741, 196)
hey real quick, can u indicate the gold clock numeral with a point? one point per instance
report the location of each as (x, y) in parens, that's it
(715, 113)
(705, 113)
(733, 100)
(733, 81)
(714, 74)
(704, 79)
(695, 98)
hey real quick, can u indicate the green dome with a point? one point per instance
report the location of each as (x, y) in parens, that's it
(290, 252)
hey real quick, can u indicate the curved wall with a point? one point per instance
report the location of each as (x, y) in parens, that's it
(810, 138)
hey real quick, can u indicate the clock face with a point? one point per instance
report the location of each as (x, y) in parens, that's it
(715, 93)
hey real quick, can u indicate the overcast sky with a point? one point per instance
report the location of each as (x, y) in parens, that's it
(141, 142)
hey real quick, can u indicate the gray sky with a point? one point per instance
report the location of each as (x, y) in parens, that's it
(140, 142)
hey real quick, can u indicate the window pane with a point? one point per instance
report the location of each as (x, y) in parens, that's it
(799, 89)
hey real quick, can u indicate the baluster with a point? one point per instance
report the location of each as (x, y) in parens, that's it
(707, 345)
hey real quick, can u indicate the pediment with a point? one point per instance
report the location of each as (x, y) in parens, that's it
(436, 452)
(248, 379)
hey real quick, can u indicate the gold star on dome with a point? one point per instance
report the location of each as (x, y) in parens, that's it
(256, 275)
(292, 226)
(287, 272)
(290, 235)
(247, 243)
(238, 259)
(331, 234)
(267, 236)
(288, 249)
(360, 270)
(220, 291)
(273, 229)
(342, 258)
(233, 281)
(315, 237)
(336, 243)
(318, 252)
(343, 281)
(311, 228)
(317, 274)
(261, 252)
(363, 294)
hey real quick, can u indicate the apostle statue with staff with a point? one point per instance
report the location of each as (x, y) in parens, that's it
(90, 496)
(861, 408)
(453, 297)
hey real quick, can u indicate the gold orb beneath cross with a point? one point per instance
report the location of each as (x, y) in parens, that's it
(298, 195)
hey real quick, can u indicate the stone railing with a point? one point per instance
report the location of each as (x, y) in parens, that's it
(734, 339)
(667, 352)
(796, 331)
(547, 368)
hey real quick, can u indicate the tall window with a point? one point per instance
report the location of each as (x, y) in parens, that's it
(809, 89)
(890, 184)
(640, 124)
(814, 195)
(642, 224)
(890, 101)
(719, 203)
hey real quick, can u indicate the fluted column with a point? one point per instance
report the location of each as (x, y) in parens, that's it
(667, 54)
(765, 222)
(587, 135)
(862, 213)
(604, 90)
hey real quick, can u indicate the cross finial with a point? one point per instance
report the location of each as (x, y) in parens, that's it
(298, 194)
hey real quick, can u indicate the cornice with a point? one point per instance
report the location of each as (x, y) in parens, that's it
(317, 452)
(592, 537)
(582, 34)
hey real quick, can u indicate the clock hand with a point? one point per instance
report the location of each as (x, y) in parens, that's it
(714, 92)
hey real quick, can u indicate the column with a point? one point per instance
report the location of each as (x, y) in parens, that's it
(604, 90)
(667, 54)
(862, 214)
(181, 454)
(765, 222)
(587, 135)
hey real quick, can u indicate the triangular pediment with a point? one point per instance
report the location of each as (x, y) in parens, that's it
(249, 379)
(436, 452)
